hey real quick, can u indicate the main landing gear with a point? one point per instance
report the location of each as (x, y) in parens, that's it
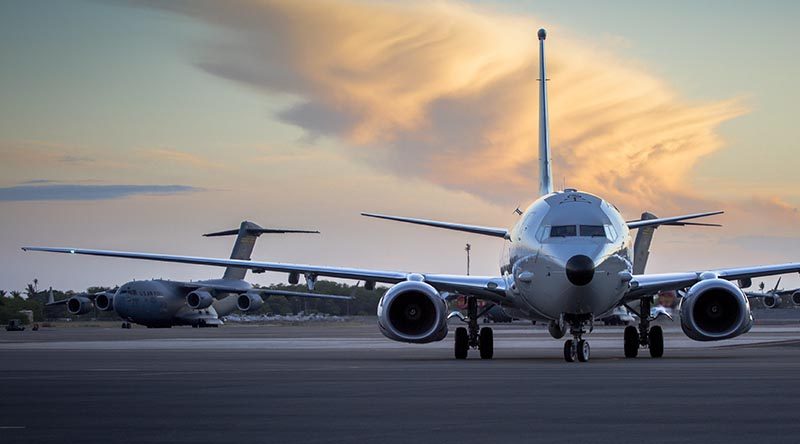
(645, 335)
(472, 337)
(578, 348)
(126, 325)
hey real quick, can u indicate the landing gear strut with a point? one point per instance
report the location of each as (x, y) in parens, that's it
(578, 348)
(472, 336)
(645, 335)
(126, 325)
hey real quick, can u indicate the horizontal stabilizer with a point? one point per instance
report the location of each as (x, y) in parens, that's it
(258, 231)
(676, 221)
(486, 231)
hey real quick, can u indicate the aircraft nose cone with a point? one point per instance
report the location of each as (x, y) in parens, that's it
(580, 270)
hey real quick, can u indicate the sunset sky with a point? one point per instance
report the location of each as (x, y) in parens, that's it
(141, 125)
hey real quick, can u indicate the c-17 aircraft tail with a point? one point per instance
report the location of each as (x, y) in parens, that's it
(246, 236)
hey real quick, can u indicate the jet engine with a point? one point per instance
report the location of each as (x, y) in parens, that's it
(715, 309)
(78, 305)
(199, 299)
(413, 311)
(796, 298)
(249, 301)
(104, 302)
(772, 301)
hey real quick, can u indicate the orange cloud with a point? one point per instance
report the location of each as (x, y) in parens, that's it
(448, 93)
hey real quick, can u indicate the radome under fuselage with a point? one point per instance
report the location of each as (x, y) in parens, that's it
(569, 254)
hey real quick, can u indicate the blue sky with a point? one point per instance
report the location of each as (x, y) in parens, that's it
(266, 127)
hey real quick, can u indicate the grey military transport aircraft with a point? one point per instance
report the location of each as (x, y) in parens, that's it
(164, 303)
(569, 260)
(774, 297)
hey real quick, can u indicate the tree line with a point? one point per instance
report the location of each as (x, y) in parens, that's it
(365, 302)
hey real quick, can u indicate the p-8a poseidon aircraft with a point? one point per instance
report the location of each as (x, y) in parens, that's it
(165, 303)
(569, 261)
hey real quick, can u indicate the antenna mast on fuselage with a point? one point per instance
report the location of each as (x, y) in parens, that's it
(545, 173)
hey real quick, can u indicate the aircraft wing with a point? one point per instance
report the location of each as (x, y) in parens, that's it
(644, 284)
(264, 292)
(485, 287)
(91, 296)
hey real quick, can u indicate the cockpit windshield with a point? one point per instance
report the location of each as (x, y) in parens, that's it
(563, 231)
(593, 231)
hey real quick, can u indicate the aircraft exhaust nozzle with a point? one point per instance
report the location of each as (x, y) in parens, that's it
(580, 270)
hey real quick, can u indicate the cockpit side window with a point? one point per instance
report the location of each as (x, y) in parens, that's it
(563, 231)
(593, 231)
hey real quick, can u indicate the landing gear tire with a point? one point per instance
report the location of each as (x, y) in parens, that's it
(462, 343)
(656, 340)
(486, 343)
(631, 342)
(583, 350)
(570, 350)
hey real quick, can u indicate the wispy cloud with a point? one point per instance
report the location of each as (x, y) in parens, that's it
(49, 191)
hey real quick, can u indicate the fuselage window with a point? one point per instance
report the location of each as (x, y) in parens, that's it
(563, 231)
(593, 231)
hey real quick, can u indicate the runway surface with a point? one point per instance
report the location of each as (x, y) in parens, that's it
(346, 383)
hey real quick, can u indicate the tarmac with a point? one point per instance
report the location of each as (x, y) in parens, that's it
(344, 382)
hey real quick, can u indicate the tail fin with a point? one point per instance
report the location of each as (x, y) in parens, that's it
(545, 173)
(246, 237)
(641, 246)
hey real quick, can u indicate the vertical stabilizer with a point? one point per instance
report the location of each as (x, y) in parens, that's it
(545, 173)
(246, 237)
(641, 246)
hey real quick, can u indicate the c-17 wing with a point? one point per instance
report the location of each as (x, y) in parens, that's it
(485, 287)
(264, 292)
(646, 284)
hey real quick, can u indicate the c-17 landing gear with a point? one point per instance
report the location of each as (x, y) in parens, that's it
(644, 336)
(578, 348)
(473, 337)
(126, 325)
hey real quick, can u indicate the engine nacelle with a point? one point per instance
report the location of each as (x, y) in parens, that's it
(772, 301)
(199, 299)
(413, 311)
(79, 305)
(796, 298)
(556, 330)
(249, 301)
(715, 309)
(104, 302)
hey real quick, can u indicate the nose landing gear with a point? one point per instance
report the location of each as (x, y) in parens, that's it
(645, 335)
(473, 337)
(578, 348)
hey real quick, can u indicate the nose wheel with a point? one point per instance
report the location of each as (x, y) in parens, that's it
(472, 336)
(577, 349)
(645, 335)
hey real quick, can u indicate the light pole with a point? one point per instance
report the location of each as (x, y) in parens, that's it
(467, 249)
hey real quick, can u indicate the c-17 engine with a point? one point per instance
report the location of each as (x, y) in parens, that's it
(199, 299)
(413, 311)
(796, 298)
(79, 305)
(715, 309)
(104, 302)
(249, 301)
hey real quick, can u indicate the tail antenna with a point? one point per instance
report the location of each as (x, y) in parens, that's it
(545, 173)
